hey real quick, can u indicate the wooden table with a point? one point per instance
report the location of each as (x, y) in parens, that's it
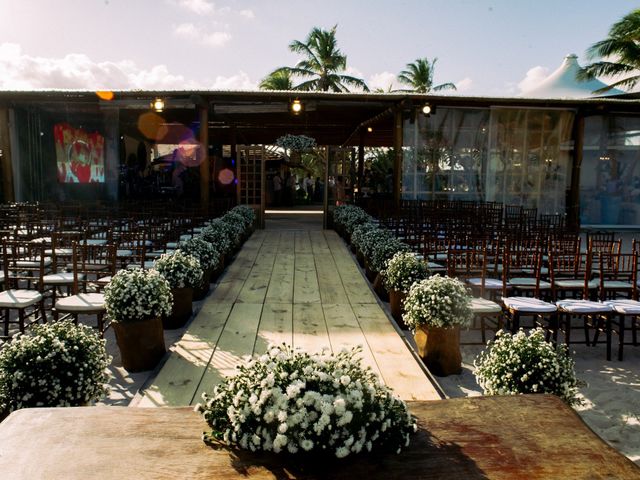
(528, 437)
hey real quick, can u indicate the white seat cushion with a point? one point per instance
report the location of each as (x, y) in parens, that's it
(96, 241)
(19, 298)
(59, 251)
(121, 252)
(568, 283)
(60, 278)
(172, 245)
(613, 284)
(434, 266)
(186, 236)
(489, 283)
(625, 306)
(104, 280)
(147, 265)
(41, 240)
(583, 306)
(527, 304)
(32, 263)
(482, 305)
(528, 282)
(83, 302)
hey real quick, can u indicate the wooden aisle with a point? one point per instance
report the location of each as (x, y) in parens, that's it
(298, 287)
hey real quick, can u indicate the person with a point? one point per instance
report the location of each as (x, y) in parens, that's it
(290, 184)
(308, 186)
(340, 199)
(277, 189)
(318, 191)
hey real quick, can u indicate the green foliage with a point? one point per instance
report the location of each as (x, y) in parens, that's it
(403, 270)
(419, 76)
(180, 270)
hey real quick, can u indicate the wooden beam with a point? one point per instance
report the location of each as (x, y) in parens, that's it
(6, 169)
(205, 175)
(397, 160)
(361, 162)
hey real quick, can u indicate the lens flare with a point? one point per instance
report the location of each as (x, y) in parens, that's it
(105, 95)
(226, 176)
(152, 126)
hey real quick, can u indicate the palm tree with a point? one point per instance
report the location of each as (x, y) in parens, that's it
(323, 64)
(278, 80)
(419, 76)
(619, 54)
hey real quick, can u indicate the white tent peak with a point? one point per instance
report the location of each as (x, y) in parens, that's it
(564, 83)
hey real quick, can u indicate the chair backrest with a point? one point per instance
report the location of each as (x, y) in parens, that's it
(522, 259)
(620, 267)
(576, 266)
(23, 263)
(90, 263)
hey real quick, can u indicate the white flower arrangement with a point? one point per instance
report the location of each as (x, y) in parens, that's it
(403, 270)
(58, 364)
(372, 237)
(136, 295)
(359, 233)
(296, 143)
(236, 222)
(286, 401)
(246, 212)
(383, 250)
(438, 301)
(521, 363)
(204, 251)
(349, 217)
(180, 270)
(221, 235)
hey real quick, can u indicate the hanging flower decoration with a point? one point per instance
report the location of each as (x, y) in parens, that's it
(296, 143)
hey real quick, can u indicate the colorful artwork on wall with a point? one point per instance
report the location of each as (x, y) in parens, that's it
(79, 154)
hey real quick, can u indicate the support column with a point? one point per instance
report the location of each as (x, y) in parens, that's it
(361, 162)
(573, 198)
(205, 175)
(397, 160)
(6, 170)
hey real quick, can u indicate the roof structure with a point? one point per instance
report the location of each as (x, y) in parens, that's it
(564, 83)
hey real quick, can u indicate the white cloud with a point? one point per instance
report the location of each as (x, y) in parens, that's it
(19, 71)
(463, 85)
(384, 80)
(534, 76)
(201, 7)
(196, 34)
(248, 13)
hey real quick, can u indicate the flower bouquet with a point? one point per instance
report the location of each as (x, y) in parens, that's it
(298, 403)
(183, 272)
(399, 274)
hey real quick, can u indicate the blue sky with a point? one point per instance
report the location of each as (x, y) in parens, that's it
(485, 47)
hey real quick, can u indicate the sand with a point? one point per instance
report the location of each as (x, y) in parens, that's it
(610, 391)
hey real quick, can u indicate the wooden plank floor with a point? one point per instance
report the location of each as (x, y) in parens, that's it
(298, 287)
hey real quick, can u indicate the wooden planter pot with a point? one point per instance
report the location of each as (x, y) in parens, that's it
(141, 344)
(371, 274)
(201, 292)
(378, 287)
(181, 310)
(360, 258)
(439, 348)
(396, 304)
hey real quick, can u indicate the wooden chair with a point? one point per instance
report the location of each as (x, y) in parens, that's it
(627, 307)
(23, 269)
(515, 263)
(472, 264)
(90, 264)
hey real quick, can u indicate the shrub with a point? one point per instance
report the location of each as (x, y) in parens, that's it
(180, 270)
(204, 251)
(403, 270)
(136, 295)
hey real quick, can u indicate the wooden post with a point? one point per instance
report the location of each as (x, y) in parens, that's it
(573, 200)
(204, 166)
(397, 160)
(361, 163)
(234, 158)
(6, 170)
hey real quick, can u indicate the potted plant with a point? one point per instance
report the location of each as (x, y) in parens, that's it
(237, 224)
(222, 236)
(249, 215)
(208, 257)
(383, 250)
(435, 309)
(358, 237)
(298, 403)
(521, 363)
(370, 241)
(183, 272)
(56, 365)
(402, 271)
(136, 300)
